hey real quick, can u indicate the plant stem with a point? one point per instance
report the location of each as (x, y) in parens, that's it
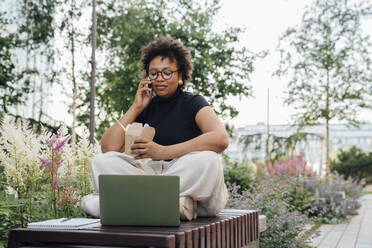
(53, 190)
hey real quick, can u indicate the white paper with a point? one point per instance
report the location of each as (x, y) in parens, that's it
(64, 223)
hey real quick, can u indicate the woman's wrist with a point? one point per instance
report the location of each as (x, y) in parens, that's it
(135, 109)
(128, 117)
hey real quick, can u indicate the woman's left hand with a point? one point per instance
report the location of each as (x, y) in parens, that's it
(146, 148)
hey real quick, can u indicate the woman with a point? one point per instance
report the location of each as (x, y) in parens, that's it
(187, 140)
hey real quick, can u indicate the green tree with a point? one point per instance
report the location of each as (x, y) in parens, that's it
(221, 70)
(72, 34)
(9, 93)
(353, 163)
(328, 62)
(35, 33)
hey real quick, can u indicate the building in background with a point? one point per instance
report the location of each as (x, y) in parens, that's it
(341, 137)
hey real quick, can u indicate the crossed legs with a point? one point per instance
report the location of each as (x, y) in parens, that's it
(201, 177)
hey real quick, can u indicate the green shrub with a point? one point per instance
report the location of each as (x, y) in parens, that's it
(353, 163)
(240, 174)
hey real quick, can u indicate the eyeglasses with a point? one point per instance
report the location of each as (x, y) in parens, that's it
(166, 74)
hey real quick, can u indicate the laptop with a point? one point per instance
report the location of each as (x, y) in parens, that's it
(139, 200)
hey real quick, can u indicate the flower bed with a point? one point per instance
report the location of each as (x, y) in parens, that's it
(41, 175)
(292, 199)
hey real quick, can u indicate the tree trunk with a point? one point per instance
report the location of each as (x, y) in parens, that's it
(74, 85)
(34, 88)
(41, 98)
(327, 117)
(27, 40)
(93, 75)
(328, 169)
(267, 155)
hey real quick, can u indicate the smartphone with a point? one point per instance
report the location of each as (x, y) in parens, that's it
(148, 85)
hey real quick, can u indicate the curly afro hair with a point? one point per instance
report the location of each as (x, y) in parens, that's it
(172, 49)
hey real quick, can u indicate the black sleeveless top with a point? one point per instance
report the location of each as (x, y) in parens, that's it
(173, 118)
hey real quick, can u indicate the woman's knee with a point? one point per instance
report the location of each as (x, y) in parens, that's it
(204, 161)
(209, 158)
(100, 160)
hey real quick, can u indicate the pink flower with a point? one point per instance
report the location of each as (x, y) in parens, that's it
(55, 184)
(68, 197)
(294, 166)
(60, 145)
(59, 162)
(45, 163)
(58, 135)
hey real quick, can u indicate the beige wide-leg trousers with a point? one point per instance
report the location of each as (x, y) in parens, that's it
(201, 175)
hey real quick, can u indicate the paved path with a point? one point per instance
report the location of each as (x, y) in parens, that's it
(357, 233)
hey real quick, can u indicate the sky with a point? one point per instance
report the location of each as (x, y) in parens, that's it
(264, 22)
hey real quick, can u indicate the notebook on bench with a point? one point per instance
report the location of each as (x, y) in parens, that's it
(139, 200)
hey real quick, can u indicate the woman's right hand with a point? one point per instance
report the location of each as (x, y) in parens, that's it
(143, 94)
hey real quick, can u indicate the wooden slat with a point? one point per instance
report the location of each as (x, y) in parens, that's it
(242, 219)
(207, 236)
(232, 233)
(218, 234)
(202, 237)
(188, 239)
(195, 237)
(256, 225)
(213, 235)
(248, 228)
(236, 231)
(239, 223)
(223, 234)
(228, 233)
(252, 228)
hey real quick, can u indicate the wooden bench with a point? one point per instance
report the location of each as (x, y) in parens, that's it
(231, 228)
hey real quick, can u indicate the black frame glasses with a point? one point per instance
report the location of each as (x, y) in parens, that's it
(166, 74)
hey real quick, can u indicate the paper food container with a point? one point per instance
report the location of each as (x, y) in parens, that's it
(134, 131)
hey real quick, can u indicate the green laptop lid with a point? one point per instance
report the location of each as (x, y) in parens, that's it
(139, 200)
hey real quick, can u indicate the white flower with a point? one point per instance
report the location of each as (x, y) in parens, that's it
(11, 191)
(19, 154)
